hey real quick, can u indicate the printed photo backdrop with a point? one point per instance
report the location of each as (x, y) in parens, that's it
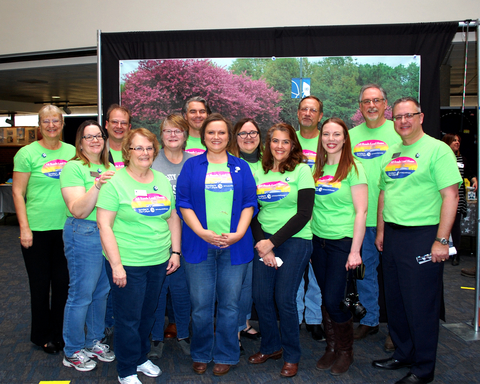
(265, 89)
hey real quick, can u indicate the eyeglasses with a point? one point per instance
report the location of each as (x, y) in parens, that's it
(91, 137)
(252, 134)
(306, 109)
(54, 122)
(141, 149)
(170, 132)
(407, 116)
(374, 101)
(116, 122)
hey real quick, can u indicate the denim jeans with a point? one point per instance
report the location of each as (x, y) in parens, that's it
(328, 259)
(89, 286)
(215, 279)
(246, 299)
(280, 286)
(176, 283)
(310, 301)
(368, 287)
(134, 308)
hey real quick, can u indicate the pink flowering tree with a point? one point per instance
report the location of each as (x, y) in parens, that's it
(160, 87)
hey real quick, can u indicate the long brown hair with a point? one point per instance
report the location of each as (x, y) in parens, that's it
(295, 156)
(233, 147)
(79, 155)
(346, 158)
(449, 138)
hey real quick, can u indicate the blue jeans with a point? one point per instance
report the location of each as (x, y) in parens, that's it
(246, 299)
(368, 287)
(328, 259)
(176, 283)
(215, 279)
(134, 308)
(89, 286)
(280, 286)
(309, 301)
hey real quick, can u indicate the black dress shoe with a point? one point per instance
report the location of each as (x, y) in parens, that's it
(389, 364)
(414, 379)
(50, 348)
(251, 336)
(317, 331)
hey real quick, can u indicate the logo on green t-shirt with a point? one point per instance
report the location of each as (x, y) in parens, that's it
(152, 204)
(311, 156)
(324, 185)
(53, 168)
(195, 151)
(401, 167)
(218, 182)
(272, 191)
(370, 149)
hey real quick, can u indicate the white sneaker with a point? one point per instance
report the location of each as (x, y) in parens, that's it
(149, 369)
(132, 379)
(79, 361)
(100, 351)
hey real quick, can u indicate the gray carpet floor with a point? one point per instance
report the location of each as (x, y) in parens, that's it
(458, 361)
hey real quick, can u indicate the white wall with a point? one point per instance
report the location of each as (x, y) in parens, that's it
(33, 25)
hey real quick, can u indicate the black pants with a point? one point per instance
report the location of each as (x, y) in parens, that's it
(47, 271)
(413, 293)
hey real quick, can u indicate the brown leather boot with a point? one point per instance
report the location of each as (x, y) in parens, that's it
(343, 347)
(328, 358)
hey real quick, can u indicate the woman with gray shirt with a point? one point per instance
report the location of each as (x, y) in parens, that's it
(170, 160)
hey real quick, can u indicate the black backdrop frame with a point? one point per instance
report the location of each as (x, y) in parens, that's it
(429, 40)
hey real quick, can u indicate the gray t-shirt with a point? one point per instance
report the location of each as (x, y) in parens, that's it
(162, 164)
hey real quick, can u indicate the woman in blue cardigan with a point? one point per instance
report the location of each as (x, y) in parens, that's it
(216, 198)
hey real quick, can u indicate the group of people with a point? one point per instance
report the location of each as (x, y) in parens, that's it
(217, 219)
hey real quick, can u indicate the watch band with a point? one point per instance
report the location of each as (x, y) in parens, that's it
(441, 240)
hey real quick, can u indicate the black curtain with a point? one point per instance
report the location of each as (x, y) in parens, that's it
(429, 40)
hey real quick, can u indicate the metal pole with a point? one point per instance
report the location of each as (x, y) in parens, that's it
(477, 281)
(99, 76)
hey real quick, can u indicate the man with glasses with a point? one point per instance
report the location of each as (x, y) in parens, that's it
(416, 209)
(309, 113)
(195, 111)
(117, 126)
(370, 140)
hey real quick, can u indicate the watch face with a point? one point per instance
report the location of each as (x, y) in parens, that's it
(442, 240)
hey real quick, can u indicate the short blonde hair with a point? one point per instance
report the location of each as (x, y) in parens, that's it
(127, 142)
(50, 110)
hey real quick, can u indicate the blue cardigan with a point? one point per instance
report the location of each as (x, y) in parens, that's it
(191, 195)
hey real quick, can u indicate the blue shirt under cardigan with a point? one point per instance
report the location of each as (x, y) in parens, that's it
(191, 195)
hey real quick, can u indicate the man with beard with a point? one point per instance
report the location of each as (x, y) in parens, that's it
(195, 111)
(370, 140)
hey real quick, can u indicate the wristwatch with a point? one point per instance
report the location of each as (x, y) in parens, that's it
(441, 240)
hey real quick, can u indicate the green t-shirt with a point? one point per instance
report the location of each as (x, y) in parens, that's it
(412, 177)
(140, 226)
(277, 195)
(45, 204)
(334, 213)
(368, 146)
(255, 167)
(309, 147)
(77, 174)
(194, 146)
(117, 159)
(218, 198)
